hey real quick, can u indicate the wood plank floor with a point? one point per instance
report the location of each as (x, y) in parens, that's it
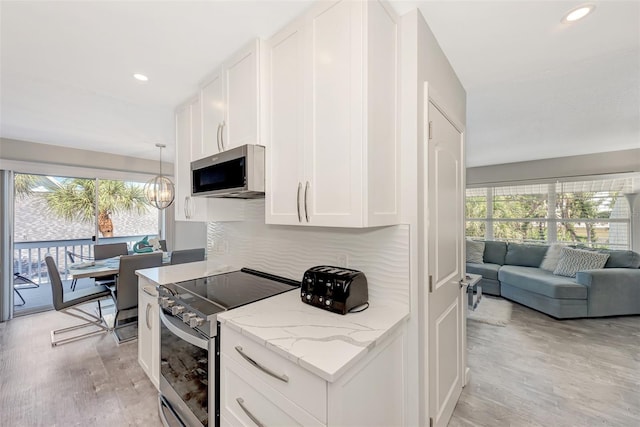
(92, 382)
(536, 371)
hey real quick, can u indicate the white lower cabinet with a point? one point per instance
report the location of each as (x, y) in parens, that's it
(148, 330)
(247, 401)
(260, 387)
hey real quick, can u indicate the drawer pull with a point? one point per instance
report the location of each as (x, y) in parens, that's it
(246, 411)
(281, 377)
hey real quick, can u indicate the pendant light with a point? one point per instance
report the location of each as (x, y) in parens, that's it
(159, 190)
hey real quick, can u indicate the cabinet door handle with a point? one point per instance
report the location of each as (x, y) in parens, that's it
(298, 201)
(281, 377)
(148, 292)
(147, 316)
(249, 414)
(218, 137)
(222, 135)
(306, 209)
(186, 207)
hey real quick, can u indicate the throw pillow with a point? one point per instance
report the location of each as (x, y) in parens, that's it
(552, 257)
(475, 252)
(574, 260)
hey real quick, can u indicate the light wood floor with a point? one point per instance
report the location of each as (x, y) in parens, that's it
(92, 382)
(536, 371)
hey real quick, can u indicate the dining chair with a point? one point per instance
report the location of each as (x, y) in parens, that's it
(69, 304)
(109, 250)
(21, 282)
(187, 255)
(125, 293)
(73, 257)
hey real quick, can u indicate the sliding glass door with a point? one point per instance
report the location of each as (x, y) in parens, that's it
(65, 217)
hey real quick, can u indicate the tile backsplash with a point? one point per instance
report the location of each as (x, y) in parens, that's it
(382, 253)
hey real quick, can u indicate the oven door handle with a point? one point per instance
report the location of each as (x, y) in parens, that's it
(162, 403)
(179, 329)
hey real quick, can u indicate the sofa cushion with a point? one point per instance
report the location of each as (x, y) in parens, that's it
(475, 251)
(488, 271)
(541, 282)
(525, 255)
(494, 252)
(552, 257)
(621, 259)
(574, 260)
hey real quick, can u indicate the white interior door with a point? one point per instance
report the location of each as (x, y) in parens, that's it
(445, 268)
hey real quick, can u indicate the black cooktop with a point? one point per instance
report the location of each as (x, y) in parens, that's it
(237, 288)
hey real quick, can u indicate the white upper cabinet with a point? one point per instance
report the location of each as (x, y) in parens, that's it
(333, 156)
(285, 115)
(242, 83)
(213, 110)
(224, 114)
(230, 102)
(188, 143)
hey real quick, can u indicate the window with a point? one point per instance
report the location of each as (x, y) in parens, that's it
(593, 213)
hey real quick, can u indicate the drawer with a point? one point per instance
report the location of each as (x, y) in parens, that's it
(247, 402)
(302, 387)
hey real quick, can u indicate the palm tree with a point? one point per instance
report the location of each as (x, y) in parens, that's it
(74, 199)
(24, 184)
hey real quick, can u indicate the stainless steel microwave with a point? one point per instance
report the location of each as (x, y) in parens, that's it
(237, 173)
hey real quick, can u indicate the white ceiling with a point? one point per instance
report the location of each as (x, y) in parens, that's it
(536, 88)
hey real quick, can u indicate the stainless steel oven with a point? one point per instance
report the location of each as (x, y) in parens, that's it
(187, 361)
(189, 347)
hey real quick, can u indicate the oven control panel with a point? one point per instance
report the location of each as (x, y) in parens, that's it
(171, 304)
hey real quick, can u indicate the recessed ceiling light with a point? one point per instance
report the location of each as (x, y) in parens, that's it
(578, 13)
(140, 77)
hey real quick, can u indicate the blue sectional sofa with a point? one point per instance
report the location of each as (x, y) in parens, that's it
(511, 270)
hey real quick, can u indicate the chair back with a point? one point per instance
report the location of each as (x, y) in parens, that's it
(110, 250)
(127, 282)
(187, 255)
(56, 282)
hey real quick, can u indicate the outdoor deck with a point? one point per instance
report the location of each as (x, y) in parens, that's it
(29, 263)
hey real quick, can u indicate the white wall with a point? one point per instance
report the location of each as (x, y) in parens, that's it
(187, 235)
(573, 166)
(382, 253)
(422, 60)
(32, 157)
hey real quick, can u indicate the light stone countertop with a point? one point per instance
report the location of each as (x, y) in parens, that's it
(180, 272)
(325, 343)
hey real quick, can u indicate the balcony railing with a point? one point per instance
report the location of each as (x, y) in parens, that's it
(28, 257)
